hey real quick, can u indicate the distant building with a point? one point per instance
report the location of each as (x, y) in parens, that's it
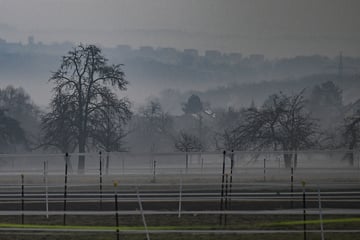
(234, 58)
(123, 48)
(191, 52)
(213, 56)
(31, 40)
(256, 58)
(168, 55)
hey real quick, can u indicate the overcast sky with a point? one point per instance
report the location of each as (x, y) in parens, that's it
(272, 27)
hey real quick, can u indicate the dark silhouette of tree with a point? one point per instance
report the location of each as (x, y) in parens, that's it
(351, 135)
(280, 124)
(155, 125)
(10, 132)
(325, 102)
(19, 106)
(193, 105)
(188, 143)
(87, 82)
(226, 121)
(108, 126)
(58, 126)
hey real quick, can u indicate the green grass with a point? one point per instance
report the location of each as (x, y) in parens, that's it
(172, 222)
(338, 220)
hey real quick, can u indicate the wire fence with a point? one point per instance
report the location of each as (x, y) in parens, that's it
(222, 179)
(176, 162)
(42, 200)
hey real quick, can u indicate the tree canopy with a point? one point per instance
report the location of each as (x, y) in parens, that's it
(10, 132)
(193, 105)
(280, 124)
(84, 85)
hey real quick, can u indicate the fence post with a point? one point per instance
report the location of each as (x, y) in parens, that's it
(65, 186)
(107, 162)
(226, 197)
(46, 188)
(292, 186)
(154, 171)
(304, 208)
(264, 169)
(231, 176)
(222, 186)
(142, 213)
(116, 211)
(321, 217)
(180, 194)
(100, 178)
(22, 199)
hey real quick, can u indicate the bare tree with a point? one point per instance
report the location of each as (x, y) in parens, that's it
(108, 125)
(351, 135)
(86, 80)
(155, 125)
(280, 124)
(188, 143)
(193, 105)
(58, 126)
(298, 130)
(19, 106)
(10, 132)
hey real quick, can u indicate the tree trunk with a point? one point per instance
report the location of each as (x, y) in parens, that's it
(287, 160)
(350, 158)
(186, 161)
(107, 163)
(81, 163)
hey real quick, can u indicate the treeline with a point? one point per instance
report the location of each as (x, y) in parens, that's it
(241, 95)
(86, 113)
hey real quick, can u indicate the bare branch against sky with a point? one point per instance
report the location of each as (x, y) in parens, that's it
(272, 27)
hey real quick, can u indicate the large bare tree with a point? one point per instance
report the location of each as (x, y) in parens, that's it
(58, 125)
(88, 83)
(108, 125)
(351, 135)
(280, 124)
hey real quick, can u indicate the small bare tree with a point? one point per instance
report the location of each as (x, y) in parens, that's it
(155, 125)
(188, 143)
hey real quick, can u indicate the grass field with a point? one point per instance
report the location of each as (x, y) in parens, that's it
(172, 222)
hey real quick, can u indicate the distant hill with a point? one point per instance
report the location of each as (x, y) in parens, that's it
(241, 95)
(222, 78)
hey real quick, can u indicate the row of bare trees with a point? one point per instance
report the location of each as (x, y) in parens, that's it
(86, 111)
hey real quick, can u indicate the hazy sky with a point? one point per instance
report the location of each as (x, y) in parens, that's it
(272, 27)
